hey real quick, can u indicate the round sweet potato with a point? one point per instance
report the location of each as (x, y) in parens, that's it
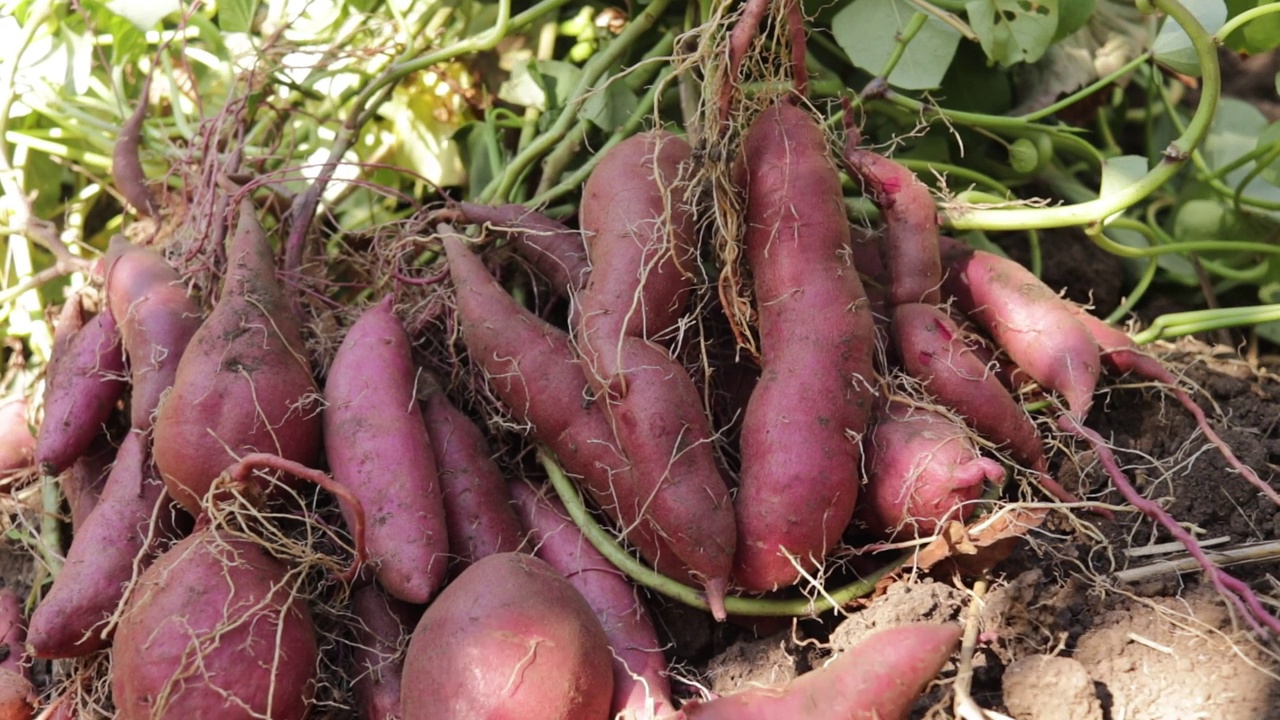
(509, 638)
(214, 629)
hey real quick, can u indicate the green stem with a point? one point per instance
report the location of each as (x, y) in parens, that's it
(642, 575)
(1243, 19)
(595, 68)
(50, 542)
(904, 38)
(1194, 321)
(1094, 212)
(1126, 306)
(1100, 84)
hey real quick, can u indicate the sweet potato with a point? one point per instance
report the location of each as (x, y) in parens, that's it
(507, 638)
(82, 484)
(215, 628)
(551, 247)
(378, 447)
(879, 679)
(126, 163)
(531, 366)
(640, 687)
(910, 222)
(244, 385)
(156, 319)
(1028, 320)
(640, 239)
(131, 521)
(17, 694)
(17, 444)
(922, 470)
(477, 502)
(800, 453)
(84, 382)
(381, 636)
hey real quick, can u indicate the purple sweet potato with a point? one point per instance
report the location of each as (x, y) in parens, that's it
(156, 318)
(17, 444)
(922, 470)
(17, 694)
(82, 484)
(131, 521)
(1028, 320)
(126, 162)
(532, 368)
(641, 690)
(84, 382)
(381, 636)
(910, 222)
(879, 679)
(216, 627)
(477, 501)
(552, 248)
(507, 638)
(800, 453)
(378, 448)
(640, 239)
(244, 385)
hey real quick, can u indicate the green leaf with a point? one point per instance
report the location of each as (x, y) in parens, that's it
(1074, 15)
(1014, 31)
(1270, 138)
(235, 15)
(1235, 131)
(480, 152)
(144, 14)
(867, 30)
(610, 106)
(542, 84)
(1260, 34)
(1172, 46)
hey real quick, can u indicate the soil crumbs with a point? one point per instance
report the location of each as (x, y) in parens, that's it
(1062, 637)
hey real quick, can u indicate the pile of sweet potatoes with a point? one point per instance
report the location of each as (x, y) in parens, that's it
(875, 393)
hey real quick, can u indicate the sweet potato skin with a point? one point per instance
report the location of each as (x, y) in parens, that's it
(532, 367)
(850, 687)
(508, 615)
(923, 470)
(17, 444)
(156, 318)
(84, 382)
(379, 655)
(799, 443)
(1028, 320)
(552, 248)
(128, 525)
(641, 690)
(378, 448)
(477, 501)
(244, 385)
(167, 661)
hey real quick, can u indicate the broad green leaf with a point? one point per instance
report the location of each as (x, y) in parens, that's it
(235, 15)
(424, 124)
(480, 152)
(1172, 46)
(1270, 138)
(144, 14)
(609, 107)
(541, 84)
(1257, 36)
(867, 30)
(1014, 31)
(1120, 172)
(1074, 14)
(1235, 131)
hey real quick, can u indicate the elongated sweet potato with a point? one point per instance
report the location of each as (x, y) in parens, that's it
(156, 318)
(800, 452)
(922, 470)
(1028, 320)
(877, 680)
(126, 529)
(640, 687)
(82, 484)
(507, 638)
(17, 694)
(378, 447)
(532, 367)
(216, 627)
(126, 162)
(551, 247)
(84, 381)
(477, 502)
(381, 635)
(244, 384)
(17, 444)
(640, 239)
